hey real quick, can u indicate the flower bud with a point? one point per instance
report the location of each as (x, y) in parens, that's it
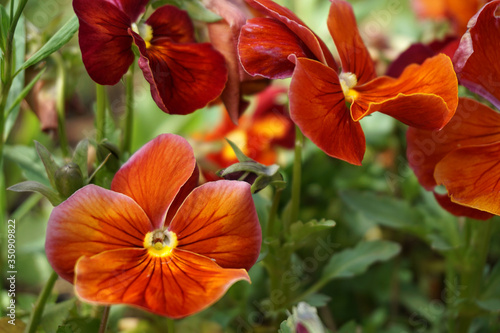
(68, 179)
(304, 319)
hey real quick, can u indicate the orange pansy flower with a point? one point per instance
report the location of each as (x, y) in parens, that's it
(155, 240)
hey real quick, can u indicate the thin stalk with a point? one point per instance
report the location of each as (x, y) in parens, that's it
(60, 104)
(273, 212)
(170, 326)
(296, 178)
(129, 111)
(104, 319)
(36, 315)
(100, 120)
(451, 288)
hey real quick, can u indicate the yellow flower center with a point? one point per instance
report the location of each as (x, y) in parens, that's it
(145, 31)
(160, 243)
(347, 82)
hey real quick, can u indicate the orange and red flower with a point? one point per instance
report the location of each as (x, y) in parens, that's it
(155, 240)
(424, 96)
(184, 75)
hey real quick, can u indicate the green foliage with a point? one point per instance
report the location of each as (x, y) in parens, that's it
(195, 9)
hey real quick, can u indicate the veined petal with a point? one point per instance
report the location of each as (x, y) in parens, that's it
(174, 286)
(91, 221)
(218, 220)
(317, 106)
(473, 124)
(183, 77)
(477, 48)
(264, 47)
(353, 53)
(424, 96)
(104, 42)
(133, 8)
(170, 22)
(472, 176)
(459, 210)
(154, 175)
(185, 190)
(292, 22)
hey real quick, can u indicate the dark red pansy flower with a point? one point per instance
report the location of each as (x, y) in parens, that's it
(184, 75)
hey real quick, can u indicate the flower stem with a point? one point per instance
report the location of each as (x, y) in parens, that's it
(100, 120)
(296, 178)
(273, 212)
(104, 319)
(129, 111)
(36, 315)
(170, 326)
(60, 104)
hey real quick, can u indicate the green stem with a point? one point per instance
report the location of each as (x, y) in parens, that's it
(36, 315)
(100, 120)
(129, 111)
(478, 236)
(104, 319)
(452, 291)
(60, 105)
(296, 178)
(170, 326)
(273, 212)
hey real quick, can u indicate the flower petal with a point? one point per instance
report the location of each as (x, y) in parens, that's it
(170, 22)
(472, 176)
(154, 175)
(299, 28)
(91, 221)
(424, 96)
(218, 220)
(479, 46)
(133, 8)
(105, 44)
(459, 210)
(183, 77)
(473, 124)
(174, 286)
(317, 106)
(354, 55)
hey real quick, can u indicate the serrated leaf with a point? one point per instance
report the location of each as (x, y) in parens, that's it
(50, 165)
(55, 314)
(58, 40)
(28, 161)
(299, 231)
(80, 157)
(33, 186)
(355, 261)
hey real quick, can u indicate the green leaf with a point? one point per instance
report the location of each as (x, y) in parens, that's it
(25, 92)
(28, 161)
(300, 231)
(51, 166)
(33, 186)
(350, 327)
(80, 157)
(4, 27)
(239, 154)
(317, 300)
(284, 328)
(55, 314)
(490, 293)
(195, 9)
(57, 41)
(355, 261)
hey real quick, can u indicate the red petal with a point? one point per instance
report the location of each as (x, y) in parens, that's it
(133, 8)
(91, 221)
(478, 47)
(185, 190)
(105, 44)
(292, 22)
(317, 106)
(183, 77)
(171, 22)
(473, 124)
(174, 286)
(424, 96)
(353, 53)
(472, 176)
(459, 210)
(218, 220)
(154, 175)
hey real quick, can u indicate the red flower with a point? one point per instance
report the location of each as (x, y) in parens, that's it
(154, 240)
(257, 135)
(423, 96)
(184, 75)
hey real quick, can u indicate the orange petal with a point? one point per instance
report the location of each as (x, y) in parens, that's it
(317, 106)
(174, 286)
(218, 220)
(155, 173)
(472, 176)
(353, 53)
(459, 210)
(473, 124)
(424, 96)
(91, 221)
(476, 60)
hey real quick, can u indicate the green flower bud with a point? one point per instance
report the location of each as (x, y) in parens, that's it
(68, 179)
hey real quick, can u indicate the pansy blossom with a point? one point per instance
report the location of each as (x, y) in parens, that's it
(424, 96)
(184, 75)
(155, 240)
